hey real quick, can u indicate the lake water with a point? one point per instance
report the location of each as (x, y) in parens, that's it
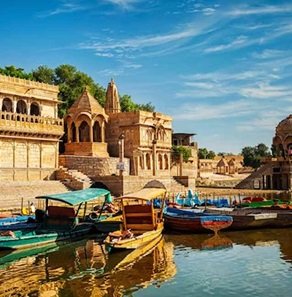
(249, 263)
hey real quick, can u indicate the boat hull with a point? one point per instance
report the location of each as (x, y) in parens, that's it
(135, 242)
(22, 239)
(244, 219)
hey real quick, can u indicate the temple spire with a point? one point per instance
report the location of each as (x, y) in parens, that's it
(112, 103)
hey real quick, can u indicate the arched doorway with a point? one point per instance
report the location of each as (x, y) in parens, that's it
(165, 161)
(84, 132)
(73, 133)
(21, 107)
(160, 161)
(7, 105)
(97, 132)
(148, 161)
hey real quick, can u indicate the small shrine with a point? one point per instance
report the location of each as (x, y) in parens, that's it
(85, 124)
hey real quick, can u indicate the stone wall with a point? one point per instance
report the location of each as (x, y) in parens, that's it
(93, 166)
(25, 160)
(129, 184)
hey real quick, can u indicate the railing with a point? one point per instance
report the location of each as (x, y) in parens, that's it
(10, 121)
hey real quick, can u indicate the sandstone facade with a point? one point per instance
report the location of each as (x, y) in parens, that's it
(29, 129)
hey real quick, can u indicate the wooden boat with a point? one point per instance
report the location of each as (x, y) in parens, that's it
(254, 218)
(142, 222)
(57, 223)
(196, 221)
(256, 202)
(11, 220)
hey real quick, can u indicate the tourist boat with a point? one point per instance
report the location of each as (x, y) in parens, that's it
(254, 218)
(57, 223)
(193, 220)
(142, 221)
(256, 202)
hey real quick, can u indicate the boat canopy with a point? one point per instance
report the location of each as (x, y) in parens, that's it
(77, 197)
(145, 194)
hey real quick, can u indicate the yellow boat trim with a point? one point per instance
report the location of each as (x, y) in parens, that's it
(147, 194)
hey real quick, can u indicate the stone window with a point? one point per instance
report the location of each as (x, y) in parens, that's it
(84, 132)
(21, 107)
(142, 161)
(148, 161)
(35, 109)
(160, 161)
(165, 161)
(7, 105)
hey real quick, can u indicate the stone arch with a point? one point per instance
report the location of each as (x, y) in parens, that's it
(21, 107)
(35, 109)
(155, 184)
(166, 161)
(148, 161)
(84, 132)
(7, 105)
(141, 157)
(99, 185)
(97, 132)
(160, 162)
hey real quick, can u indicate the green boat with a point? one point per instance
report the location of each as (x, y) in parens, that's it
(56, 223)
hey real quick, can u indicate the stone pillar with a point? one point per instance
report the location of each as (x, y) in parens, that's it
(69, 133)
(102, 132)
(77, 133)
(1, 102)
(91, 133)
(14, 104)
(154, 157)
(28, 108)
(121, 153)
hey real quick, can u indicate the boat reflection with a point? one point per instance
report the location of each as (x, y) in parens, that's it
(217, 242)
(85, 269)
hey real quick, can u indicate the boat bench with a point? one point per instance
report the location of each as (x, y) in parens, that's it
(138, 217)
(59, 216)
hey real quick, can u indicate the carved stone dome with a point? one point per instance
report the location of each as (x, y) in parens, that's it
(285, 126)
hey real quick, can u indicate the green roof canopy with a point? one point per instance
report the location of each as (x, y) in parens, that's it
(77, 197)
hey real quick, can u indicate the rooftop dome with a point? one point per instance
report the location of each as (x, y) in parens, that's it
(285, 126)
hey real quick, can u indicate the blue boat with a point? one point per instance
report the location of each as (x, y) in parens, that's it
(195, 221)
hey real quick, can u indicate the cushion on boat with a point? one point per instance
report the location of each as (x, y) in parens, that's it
(61, 212)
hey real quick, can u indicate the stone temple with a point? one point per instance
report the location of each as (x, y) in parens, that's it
(104, 147)
(276, 172)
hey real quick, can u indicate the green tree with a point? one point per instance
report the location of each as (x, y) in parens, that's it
(127, 104)
(178, 150)
(211, 155)
(15, 72)
(202, 153)
(146, 107)
(44, 74)
(252, 156)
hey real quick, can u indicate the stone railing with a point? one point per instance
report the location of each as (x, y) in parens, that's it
(15, 122)
(28, 83)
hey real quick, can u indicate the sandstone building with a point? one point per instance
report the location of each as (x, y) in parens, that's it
(29, 129)
(120, 150)
(275, 173)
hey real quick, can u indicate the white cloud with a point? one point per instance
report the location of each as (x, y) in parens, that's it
(265, 91)
(240, 41)
(269, 9)
(124, 4)
(66, 7)
(191, 112)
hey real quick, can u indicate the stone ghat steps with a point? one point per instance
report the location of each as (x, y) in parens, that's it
(73, 178)
(12, 193)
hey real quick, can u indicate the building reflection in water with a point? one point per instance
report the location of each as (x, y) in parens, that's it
(85, 269)
(82, 270)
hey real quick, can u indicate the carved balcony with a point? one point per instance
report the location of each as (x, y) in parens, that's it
(15, 124)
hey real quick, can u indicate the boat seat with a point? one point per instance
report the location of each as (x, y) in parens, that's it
(61, 212)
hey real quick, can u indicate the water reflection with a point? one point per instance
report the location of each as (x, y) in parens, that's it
(85, 269)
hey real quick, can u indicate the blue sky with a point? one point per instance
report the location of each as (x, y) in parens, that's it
(221, 69)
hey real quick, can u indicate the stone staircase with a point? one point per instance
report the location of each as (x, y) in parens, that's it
(177, 186)
(14, 195)
(73, 179)
(248, 182)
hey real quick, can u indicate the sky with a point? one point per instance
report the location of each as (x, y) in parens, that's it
(221, 69)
